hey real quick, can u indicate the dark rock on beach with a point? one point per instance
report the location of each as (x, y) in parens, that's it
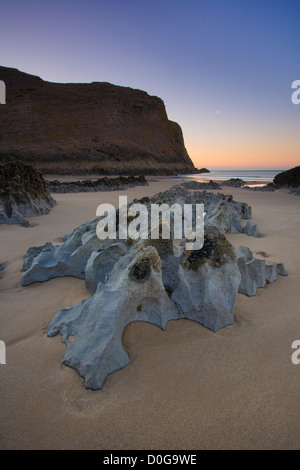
(295, 191)
(289, 178)
(234, 182)
(268, 187)
(101, 184)
(200, 185)
(23, 192)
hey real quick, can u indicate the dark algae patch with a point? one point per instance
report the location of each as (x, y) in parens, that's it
(142, 268)
(216, 249)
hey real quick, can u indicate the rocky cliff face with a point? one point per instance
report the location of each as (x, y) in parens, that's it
(88, 128)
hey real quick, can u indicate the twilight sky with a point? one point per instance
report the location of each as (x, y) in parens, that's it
(223, 68)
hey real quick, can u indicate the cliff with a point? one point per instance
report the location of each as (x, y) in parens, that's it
(78, 128)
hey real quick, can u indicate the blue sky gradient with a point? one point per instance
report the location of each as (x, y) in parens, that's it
(224, 68)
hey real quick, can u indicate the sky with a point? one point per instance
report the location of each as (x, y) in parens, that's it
(224, 68)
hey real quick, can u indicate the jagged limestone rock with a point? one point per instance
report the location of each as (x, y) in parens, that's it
(101, 263)
(33, 253)
(250, 228)
(68, 259)
(146, 286)
(256, 273)
(146, 280)
(134, 291)
(101, 184)
(208, 281)
(221, 210)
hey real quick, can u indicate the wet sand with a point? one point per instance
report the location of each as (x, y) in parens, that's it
(186, 387)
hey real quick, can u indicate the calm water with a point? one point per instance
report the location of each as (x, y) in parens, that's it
(246, 175)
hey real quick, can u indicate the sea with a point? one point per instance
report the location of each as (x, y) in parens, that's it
(257, 176)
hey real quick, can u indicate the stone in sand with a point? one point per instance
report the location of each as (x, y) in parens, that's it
(134, 291)
(23, 193)
(255, 273)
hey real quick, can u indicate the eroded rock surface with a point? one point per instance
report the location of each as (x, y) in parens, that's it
(146, 280)
(221, 209)
(234, 182)
(256, 273)
(267, 187)
(101, 184)
(23, 193)
(146, 286)
(134, 291)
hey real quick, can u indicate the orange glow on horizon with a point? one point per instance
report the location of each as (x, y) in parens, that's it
(281, 156)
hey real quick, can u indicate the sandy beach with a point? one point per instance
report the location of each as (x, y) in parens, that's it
(186, 387)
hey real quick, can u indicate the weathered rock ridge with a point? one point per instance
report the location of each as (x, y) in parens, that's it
(101, 184)
(23, 193)
(146, 280)
(98, 128)
(256, 273)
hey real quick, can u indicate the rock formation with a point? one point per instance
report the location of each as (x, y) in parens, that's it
(256, 273)
(295, 191)
(71, 258)
(145, 280)
(101, 184)
(234, 182)
(267, 187)
(221, 209)
(134, 291)
(289, 178)
(23, 193)
(152, 280)
(95, 128)
(200, 185)
(142, 282)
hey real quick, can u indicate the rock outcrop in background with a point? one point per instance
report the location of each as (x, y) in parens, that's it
(23, 193)
(289, 179)
(90, 128)
(102, 184)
